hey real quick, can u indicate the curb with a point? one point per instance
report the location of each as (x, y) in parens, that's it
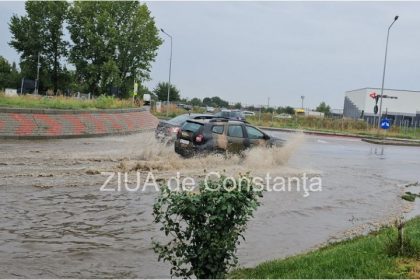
(391, 142)
(368, 139)
(311, 132)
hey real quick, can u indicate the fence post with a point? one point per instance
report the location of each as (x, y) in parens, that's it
(272, 118)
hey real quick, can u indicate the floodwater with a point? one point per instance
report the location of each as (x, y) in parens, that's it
(56, 222)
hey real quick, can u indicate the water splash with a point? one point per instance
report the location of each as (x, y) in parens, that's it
(156, 156)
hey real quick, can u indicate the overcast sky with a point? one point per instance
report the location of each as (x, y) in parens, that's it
(251, 51)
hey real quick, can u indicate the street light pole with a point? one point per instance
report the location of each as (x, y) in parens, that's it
(37, 76)
(383, 74)
(170, 69)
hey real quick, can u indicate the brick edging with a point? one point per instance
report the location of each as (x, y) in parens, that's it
(56, 124)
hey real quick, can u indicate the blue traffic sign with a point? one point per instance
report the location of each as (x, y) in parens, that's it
(385, 124)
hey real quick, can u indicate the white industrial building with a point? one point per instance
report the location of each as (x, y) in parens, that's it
(400, 106)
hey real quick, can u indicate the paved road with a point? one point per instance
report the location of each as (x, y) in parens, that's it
(56, 223)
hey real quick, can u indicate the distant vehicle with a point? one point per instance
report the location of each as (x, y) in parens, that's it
(147, 99)
(231, 115)
(167, 129)
(248, 113)
(209, 109)
(283, 116)
(187, 107)
(184, 106)
(220, 136)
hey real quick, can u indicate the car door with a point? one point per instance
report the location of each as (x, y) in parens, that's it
(255, 136)
(236, 138)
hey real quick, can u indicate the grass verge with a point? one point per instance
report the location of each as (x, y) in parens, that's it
(328, 125)
(60, 102)
(362, 257)
(342, 126)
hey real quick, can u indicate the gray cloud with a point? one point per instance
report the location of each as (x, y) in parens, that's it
(249, 51)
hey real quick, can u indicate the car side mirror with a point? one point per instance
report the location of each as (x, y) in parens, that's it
(266, 137)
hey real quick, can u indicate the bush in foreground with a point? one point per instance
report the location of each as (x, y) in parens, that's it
(204, 227)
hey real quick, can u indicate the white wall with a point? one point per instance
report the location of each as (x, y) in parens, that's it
(408, 102)
(358, 97)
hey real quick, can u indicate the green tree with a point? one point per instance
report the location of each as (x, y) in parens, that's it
(196, 102)
(40, 32)
(218, 102)
(5, 70)
(237, 106)
(161, 92)
(323, 108)
(215, 101)
(285, 110)
(9, 75)
(114, 43)
(207, 101)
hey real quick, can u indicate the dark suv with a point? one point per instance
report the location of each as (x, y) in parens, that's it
(220, 136)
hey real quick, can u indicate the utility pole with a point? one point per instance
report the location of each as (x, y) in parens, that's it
(170, 69)
(303, 97)
(37, 76)
(21, 86)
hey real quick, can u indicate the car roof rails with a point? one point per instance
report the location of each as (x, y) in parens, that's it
(222, 119)
(219, 119)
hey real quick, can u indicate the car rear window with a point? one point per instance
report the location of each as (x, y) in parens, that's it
(191, 126)
(218, 129)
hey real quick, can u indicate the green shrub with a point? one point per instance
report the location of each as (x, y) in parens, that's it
(204, 227)
(399, 243)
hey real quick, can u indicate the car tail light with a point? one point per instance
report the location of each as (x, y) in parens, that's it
(199, 138)
(173, 130)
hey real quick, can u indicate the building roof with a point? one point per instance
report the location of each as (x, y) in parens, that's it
(418, 91)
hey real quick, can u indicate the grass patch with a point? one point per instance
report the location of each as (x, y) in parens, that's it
(409, 196)
(174, 111)
(343, 126)
(362, 257)
(60, 102)
(329, 125)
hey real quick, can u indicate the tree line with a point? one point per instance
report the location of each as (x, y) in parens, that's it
(112, 44)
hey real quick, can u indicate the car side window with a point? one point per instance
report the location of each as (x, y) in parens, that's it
(235, 131)
(254, 133)
(218, 129)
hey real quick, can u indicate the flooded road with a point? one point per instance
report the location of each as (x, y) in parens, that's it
(56, 223)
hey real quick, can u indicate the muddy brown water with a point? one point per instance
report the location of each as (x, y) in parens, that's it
(55, 222)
